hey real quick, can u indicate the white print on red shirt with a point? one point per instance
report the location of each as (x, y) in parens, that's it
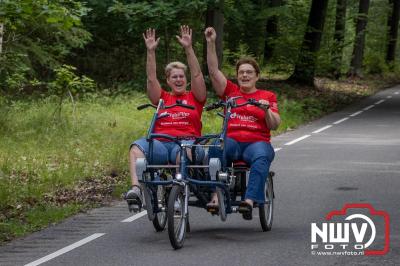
(245, 125)
(248, 118)
(176, 116)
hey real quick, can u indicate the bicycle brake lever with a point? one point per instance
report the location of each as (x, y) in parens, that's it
(162, 115)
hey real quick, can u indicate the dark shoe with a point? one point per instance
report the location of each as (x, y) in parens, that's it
(246, 210)
(134, 198)
(212, 207)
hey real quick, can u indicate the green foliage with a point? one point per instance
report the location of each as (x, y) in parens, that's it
(103, 39)
(68, 82)
(376, 39)
(245, 24)
(292, 19)
(375, 64)
(117, 53)
(328, 45)
(38, 158)
(291, 114)
(37, 37)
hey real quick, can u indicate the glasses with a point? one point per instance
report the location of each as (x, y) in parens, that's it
(247, 72)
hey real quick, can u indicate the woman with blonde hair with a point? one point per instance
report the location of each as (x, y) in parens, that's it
(181, 122)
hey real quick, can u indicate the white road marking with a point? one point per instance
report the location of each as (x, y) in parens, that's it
(381, 101)
(356, 113)
(396, 92)
(368, 107)
(341, 120)
(277, 149)
(134, 217)
(297, 140)
(65, 250)
(322, 129)
(390, 96)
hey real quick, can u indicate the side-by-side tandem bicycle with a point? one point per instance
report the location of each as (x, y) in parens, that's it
(169, 190)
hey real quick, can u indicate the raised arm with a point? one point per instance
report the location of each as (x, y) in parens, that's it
(198, 86)
(218, 79)
(153, 86)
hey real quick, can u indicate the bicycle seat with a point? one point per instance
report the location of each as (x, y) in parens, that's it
(240, 164)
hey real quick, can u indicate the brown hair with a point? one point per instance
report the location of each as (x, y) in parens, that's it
(172, 65)
(249, 61)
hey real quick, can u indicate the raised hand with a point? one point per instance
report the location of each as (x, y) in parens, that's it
(150, 39)
(186, 36)
(210, 34)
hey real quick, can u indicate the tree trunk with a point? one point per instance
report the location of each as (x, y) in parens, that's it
(304, 70)
(393, 23)
(166, 45)
(339, 37)
(1, 37)
(358, 51)
(215, 19)
(271, 31)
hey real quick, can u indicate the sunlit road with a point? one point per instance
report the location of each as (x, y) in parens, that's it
(352, 156)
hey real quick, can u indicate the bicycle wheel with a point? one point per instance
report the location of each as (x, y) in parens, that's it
(266, 210)
(160, 219)
(176, 217)
(221, 201)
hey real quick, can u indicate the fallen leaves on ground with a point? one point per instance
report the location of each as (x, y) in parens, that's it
(89, 191)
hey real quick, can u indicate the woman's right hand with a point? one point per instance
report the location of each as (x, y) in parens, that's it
(150, 39)
(210, 34)
(186, 36)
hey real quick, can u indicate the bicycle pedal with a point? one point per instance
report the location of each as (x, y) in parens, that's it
(213, 210)
(134, 209)
(242, 209)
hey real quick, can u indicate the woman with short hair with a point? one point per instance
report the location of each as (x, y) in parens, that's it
(248, 136)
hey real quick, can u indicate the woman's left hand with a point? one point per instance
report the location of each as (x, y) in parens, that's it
(264, 105)
(186, 36)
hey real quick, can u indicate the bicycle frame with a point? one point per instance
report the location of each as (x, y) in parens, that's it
(229, 104)
(220, 175)
(150, 138)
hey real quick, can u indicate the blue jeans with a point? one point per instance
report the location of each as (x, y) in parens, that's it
(165, 152)
(258, 155)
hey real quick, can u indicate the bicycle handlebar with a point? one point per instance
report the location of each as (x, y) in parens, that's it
(252, 102)
(232, 103)
(178, 103)
(216, 105)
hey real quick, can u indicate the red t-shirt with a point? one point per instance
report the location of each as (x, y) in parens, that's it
(247, 123)
(181, 121)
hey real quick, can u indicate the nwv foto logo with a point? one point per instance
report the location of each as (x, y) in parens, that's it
(355, 232)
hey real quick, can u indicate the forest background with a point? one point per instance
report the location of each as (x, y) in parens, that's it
(72, 73)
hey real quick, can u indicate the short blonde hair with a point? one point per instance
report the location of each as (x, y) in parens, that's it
(172, 65)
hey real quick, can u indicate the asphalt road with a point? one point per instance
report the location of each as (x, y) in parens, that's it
(346, 157)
